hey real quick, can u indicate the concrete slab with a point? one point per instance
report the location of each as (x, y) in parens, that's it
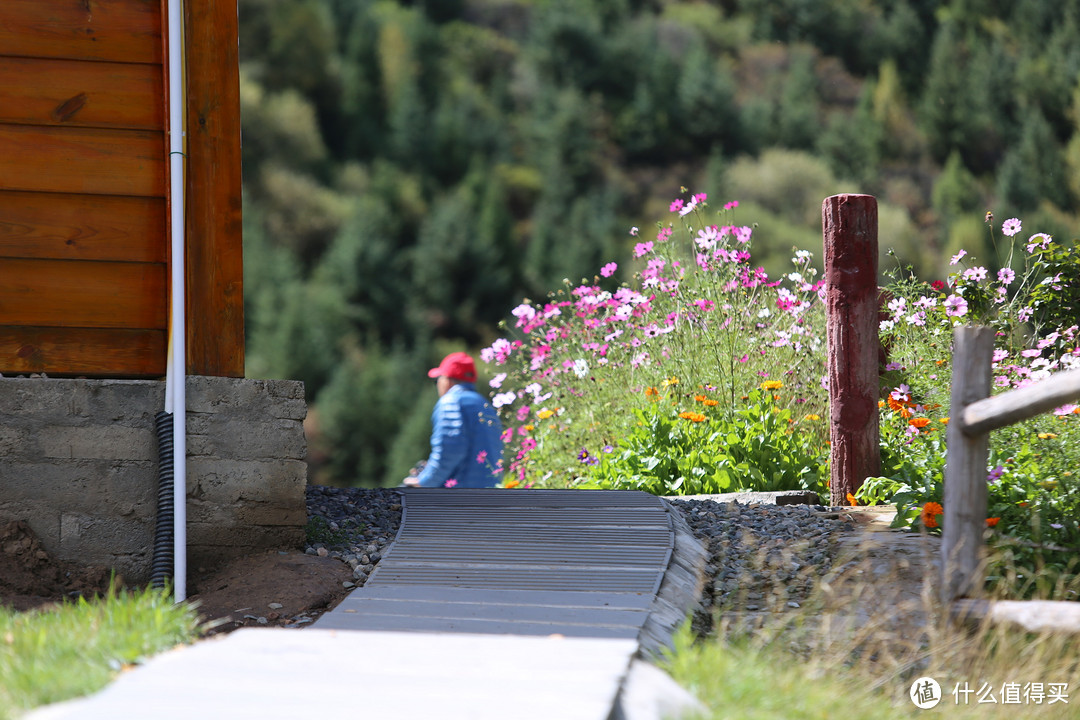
(272, 674)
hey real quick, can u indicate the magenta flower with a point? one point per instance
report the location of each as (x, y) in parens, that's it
(528, 444)
(700, 198)
(664, 235)
(731, 205)
(1010, 227)
(995, 474)
(481, 457)
(676, 205)
(643, 248)
(609, 269)
(450, 483)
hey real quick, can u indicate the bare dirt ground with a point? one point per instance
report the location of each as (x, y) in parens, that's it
(270, 589)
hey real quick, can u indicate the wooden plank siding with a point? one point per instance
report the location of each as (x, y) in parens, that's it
(84, 238)
(215, 286)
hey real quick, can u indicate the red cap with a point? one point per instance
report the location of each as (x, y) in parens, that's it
(456, 366)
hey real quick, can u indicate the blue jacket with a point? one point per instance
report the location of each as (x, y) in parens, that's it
(466, 441)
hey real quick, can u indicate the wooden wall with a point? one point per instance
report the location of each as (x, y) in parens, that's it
(84, 189)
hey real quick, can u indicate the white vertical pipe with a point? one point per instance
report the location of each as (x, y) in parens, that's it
(177, 367)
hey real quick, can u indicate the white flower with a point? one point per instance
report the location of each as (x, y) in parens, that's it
(502, 399)
(580, 368)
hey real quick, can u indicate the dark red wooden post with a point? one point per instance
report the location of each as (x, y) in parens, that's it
(850, 225)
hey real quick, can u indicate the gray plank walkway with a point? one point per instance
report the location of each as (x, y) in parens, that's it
(573, 562)
(489, 604)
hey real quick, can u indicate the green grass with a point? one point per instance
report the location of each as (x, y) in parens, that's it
(75, 649)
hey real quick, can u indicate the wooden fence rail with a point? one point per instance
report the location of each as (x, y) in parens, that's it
(973, 416)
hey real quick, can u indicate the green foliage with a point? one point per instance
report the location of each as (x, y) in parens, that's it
(759, 447)
(76, 648)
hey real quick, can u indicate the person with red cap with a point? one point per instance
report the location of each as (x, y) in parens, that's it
(466, 436)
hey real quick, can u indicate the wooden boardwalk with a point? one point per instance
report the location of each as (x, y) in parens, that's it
(489, 604)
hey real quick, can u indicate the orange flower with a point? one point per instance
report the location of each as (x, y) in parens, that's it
(895, 405)
(710, 403)
(991, 522)
(512, 483)
(905, 413)
(651, 391)
(700, 398)
(881, 403)
(692, 416)
(944, 421)
(851, 500)
(930, 511)
(919, 422)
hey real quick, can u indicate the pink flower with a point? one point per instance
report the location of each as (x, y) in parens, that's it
(634, 231)
(742, 234)
(955, 306)
(1010, 227)
(643, 248)
(1038, 240)
(481, 457)
(689, 207)
(957, 256)
(731, 205)
(528, 444)
(497, 381)
(609, 269)
(700, 198)
(1032, 353)
(1066, 409)
(1005, 276)
(664, 235)
(450, 483)
(975, 274)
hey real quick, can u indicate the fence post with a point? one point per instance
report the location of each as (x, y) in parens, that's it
(965, 468)
(850, 227)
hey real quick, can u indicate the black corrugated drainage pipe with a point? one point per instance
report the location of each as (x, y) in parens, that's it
(162, 567)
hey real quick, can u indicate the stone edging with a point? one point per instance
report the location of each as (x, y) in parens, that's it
(680, 590)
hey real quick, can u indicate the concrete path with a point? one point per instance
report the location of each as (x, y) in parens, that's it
(489, 604)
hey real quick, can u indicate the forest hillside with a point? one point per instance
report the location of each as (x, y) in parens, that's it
(412, 170)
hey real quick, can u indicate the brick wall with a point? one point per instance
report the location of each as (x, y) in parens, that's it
(78, 461)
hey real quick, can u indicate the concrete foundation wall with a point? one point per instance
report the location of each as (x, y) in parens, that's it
(79, 462)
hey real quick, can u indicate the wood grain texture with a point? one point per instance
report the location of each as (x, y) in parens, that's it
(81, 160)
(1020, 404)
(214, 254)
(50, 293)
(81, 94)
(82, 227)
(964, 501)
(82, 351)
(119, 30)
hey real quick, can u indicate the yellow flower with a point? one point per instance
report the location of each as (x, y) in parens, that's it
(1049, 484)
(670, 381)
(812, 416)
(530, 428)
(772, 385)
(1047, 436)
(545, 414)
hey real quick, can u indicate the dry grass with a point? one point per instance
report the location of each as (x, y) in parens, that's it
(872, 627)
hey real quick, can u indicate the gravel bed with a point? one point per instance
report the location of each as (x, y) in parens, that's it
(760, 557)
(354, 525)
